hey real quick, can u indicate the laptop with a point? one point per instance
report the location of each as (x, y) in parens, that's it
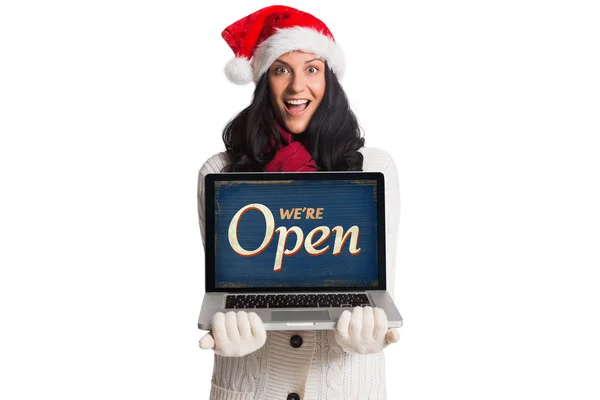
(296, 248)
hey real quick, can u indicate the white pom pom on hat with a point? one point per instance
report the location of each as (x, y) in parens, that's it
(259, 38)
(239, 71)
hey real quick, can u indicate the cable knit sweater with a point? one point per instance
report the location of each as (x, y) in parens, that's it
(319, 369)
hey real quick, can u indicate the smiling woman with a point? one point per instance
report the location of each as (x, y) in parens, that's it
(299, 114)
(297, 82)
(299, 119)
(299, 110)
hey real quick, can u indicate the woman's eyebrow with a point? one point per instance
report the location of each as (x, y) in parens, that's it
(282, 62)
(306, 62)
(314, 59)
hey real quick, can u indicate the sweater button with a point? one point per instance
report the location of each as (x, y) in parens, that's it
(295, 341)
(293, 396)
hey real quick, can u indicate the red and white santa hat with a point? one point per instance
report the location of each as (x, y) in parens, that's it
(258, 39)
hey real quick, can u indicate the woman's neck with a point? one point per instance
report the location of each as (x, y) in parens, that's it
(285, 135)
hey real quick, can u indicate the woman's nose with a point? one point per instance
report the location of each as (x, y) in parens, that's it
(297, 83)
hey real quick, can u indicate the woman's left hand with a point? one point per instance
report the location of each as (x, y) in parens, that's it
(364, 331)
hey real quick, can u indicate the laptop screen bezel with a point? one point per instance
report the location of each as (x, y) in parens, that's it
(209, 193)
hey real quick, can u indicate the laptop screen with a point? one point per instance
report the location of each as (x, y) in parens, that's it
(296, 231)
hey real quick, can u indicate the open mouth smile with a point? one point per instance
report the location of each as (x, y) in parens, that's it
(296, 107)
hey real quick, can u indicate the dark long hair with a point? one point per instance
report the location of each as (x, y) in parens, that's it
(333, 136)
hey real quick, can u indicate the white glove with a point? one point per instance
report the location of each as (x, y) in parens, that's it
(235, 334)
(364, 331)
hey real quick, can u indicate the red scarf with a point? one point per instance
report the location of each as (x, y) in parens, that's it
(291, 156)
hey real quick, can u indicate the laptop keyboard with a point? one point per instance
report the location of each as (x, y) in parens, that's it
(296, 300)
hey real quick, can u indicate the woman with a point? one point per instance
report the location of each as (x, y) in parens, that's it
(299, 120)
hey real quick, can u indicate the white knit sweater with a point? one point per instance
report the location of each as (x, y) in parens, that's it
(319, 369)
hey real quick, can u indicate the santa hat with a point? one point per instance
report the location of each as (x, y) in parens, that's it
(258, 39)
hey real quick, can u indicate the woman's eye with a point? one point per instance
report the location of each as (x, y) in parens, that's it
(312, 70)
(280, 70)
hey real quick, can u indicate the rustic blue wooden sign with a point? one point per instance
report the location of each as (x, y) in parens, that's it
(309, 233)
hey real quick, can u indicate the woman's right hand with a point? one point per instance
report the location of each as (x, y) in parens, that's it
(235, 334)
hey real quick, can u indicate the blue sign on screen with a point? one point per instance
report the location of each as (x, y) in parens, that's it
(296, 234)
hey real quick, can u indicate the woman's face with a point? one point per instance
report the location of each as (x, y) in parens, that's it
(297, 85)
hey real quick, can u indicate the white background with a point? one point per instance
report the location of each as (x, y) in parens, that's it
(490, 109)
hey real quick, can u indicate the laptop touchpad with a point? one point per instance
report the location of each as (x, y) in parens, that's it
(299, 316)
